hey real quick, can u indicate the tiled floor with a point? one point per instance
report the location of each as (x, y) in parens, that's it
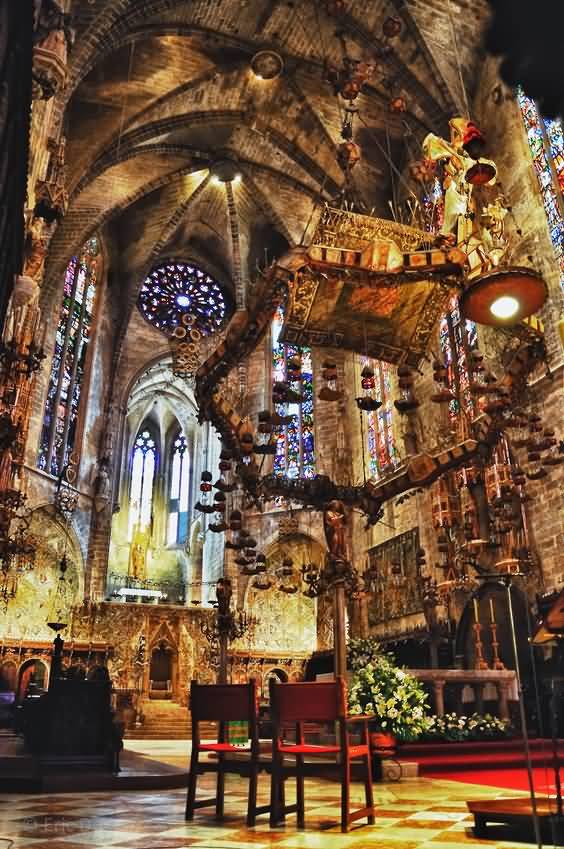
(412, 814)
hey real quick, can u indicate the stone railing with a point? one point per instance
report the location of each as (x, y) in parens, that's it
(503, 682)
(126, 588)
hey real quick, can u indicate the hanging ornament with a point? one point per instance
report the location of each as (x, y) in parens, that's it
(330, 374)
(205, 487)
(443, 395)
(392, 27)
(282, 393)
(260, 561)
(445, 510)
(349, 154)
(397, 105)
(263, 442)
(368, 402)
(407, 400)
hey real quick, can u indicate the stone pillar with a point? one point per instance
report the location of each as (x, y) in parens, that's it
(503, 699)
(438, 693)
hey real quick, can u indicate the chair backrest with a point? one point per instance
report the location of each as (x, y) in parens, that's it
(223, 702)
(316, 701)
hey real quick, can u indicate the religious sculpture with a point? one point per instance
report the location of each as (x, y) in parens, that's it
(102, 485)
(53, 36)
(334, 525)
(138, 554)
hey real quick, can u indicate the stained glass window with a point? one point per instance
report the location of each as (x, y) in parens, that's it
(434, 206)
(295, 454)
(143, 468)
(546, 142)
(179, 492)
(176, 289)
(457, 337)
(382, 453)
(74, 331)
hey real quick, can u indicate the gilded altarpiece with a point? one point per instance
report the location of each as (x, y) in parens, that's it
(397, 592)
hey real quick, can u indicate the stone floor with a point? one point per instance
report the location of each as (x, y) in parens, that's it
(412, 814)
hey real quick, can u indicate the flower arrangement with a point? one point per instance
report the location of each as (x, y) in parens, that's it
(362, 651)
(395, 698)
(454, 729)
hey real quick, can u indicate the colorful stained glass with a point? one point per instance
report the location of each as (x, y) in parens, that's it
(456, 338)
(176, 289)
(434, 206)
(546, 142)
(382, 453)
(179, 492)
(72, 337)
(143, 467)
(295, 450)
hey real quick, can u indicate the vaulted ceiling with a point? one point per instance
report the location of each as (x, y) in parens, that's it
(158, 90)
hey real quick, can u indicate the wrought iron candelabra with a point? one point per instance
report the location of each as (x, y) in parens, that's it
(228, 625)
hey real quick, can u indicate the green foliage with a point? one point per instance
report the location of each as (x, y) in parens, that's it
(455, 729)
(395, 698)
(362, 651)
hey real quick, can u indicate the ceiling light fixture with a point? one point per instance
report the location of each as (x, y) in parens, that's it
(503, 296)
(505, 307)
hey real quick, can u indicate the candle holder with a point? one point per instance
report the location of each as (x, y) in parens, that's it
(497, 663)
(480, 662)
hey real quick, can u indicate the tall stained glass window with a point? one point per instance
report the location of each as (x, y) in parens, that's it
(546, 142)
(434, 206)
(295, 454)
(381, 447)
(457, 337)
(179, 492)
(72, 339)
(143, 468)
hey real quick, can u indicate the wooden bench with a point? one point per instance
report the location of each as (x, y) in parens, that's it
(516, 811)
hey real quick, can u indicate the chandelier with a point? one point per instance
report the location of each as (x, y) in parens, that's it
(17, 549)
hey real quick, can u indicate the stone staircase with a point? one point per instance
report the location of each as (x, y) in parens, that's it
(165, 720)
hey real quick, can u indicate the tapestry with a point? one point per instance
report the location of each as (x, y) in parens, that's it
(397, 592)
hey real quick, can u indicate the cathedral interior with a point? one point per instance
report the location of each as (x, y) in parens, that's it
(281, 400)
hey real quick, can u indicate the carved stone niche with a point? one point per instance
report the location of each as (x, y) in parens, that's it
(49, 68)
(52, 37)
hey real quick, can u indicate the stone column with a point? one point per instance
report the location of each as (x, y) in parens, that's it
(438, 693)
(503, 699)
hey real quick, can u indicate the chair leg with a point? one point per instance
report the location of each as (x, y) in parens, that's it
(300, 790)
(252, 802)
(368, 788)
(220, 792)
(192, 779)
(345, 793)
(275, 791)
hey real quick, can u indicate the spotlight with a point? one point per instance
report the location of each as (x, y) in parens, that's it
(503, 296)
(505, 307)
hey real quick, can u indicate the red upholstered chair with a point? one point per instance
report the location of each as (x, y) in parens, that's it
(224, 703)
(304, 703)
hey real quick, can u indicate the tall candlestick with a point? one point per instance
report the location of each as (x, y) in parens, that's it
(492, 614)
(476, 615)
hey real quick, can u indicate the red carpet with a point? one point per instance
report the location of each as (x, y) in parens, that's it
(510, 779)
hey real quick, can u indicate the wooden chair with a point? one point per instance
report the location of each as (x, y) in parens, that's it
(302, 703)
(223, 703)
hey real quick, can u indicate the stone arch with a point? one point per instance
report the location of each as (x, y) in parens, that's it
(35, 672)
(37, 590)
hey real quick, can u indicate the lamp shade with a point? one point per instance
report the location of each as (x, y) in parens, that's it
(504, 296)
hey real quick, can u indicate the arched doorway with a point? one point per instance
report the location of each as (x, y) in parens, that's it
(33, 676)
(161, 672)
